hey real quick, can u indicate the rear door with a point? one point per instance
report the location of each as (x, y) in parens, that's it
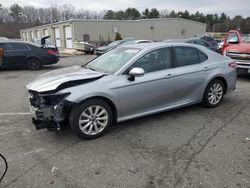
(191, 74)
(15, 54)
(1, 54)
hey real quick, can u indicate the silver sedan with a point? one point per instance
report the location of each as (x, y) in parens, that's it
(130, 82)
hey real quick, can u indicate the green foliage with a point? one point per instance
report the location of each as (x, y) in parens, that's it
(118, 36)
(154, 13)
(16, 12)
(132, 14)
(110, 14)
(145, 13)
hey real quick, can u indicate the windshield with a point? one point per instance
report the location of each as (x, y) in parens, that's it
(245, 38)
(113, 60)
(115, 43)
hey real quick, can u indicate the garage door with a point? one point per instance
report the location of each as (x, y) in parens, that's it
(32, 36)
(68, 36)
(57, 37)
(37, 34)
(45, 32)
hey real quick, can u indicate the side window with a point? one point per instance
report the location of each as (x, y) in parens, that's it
(15, 46)
(156, 60)
(186, 56)
(203, 57)
(232, 38)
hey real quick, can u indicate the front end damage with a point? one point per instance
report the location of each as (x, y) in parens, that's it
(49, 110)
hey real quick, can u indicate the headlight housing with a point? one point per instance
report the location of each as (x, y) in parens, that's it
(53, 99)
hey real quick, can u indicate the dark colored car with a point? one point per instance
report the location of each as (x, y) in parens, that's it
(197, 41)
(24, 54)
(202, 42)
(103, 49)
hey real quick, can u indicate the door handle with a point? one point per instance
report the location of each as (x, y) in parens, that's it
(205, 68)
(169, 76)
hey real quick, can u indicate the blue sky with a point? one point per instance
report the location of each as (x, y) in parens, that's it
(231, 7)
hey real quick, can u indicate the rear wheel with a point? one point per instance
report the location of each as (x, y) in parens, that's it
(91, 119)
(214, 93)
(34, 64)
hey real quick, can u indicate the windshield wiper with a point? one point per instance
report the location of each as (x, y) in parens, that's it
(91, 68)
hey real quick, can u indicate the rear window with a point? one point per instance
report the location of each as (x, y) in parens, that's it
(186, 56)
(15, 46)
(203, 57)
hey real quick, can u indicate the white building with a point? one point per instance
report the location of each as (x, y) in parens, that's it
(65, 32)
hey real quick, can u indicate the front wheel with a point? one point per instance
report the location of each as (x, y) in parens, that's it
(91, 119)
(214, 93)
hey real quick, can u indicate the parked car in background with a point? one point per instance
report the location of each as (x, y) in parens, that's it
(237, 46)
(197, 41)
(219, 42)
(130, 82)
(136, 42)
(211, 46)
(45, 42)
(84, 46)
(29, 55)
(104, 49)
(209, 39)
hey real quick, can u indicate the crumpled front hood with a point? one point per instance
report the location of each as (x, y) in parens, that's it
(52, 80)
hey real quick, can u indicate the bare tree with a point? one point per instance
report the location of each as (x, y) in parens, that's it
(30, 15)
(164, 13)
(55, 14)
(16, 12)
(67, 11)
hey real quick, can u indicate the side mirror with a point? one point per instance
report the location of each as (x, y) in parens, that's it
(135, 72)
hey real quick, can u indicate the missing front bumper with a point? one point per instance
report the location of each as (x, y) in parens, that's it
(43, 124)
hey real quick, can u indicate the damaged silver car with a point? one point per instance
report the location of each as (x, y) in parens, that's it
(130, 82)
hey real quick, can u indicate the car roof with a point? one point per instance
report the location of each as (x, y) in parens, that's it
(17, 41)
(148, 46)
(12, 41)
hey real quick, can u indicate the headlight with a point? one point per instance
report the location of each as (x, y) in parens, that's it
(53, 99)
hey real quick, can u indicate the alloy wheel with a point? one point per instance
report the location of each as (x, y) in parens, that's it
(215, 93)
(93, 120)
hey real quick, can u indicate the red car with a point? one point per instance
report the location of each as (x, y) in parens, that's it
(237, 46)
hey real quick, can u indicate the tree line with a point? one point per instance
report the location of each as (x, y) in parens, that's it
(15, 17)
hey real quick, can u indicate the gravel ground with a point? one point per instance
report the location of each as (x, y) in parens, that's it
(188, 147)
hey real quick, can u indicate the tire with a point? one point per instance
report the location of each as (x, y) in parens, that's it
(214, 93)
(90, 127)
(34, 64)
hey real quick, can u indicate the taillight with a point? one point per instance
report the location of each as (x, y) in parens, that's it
(233, 65)
(50, 51)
